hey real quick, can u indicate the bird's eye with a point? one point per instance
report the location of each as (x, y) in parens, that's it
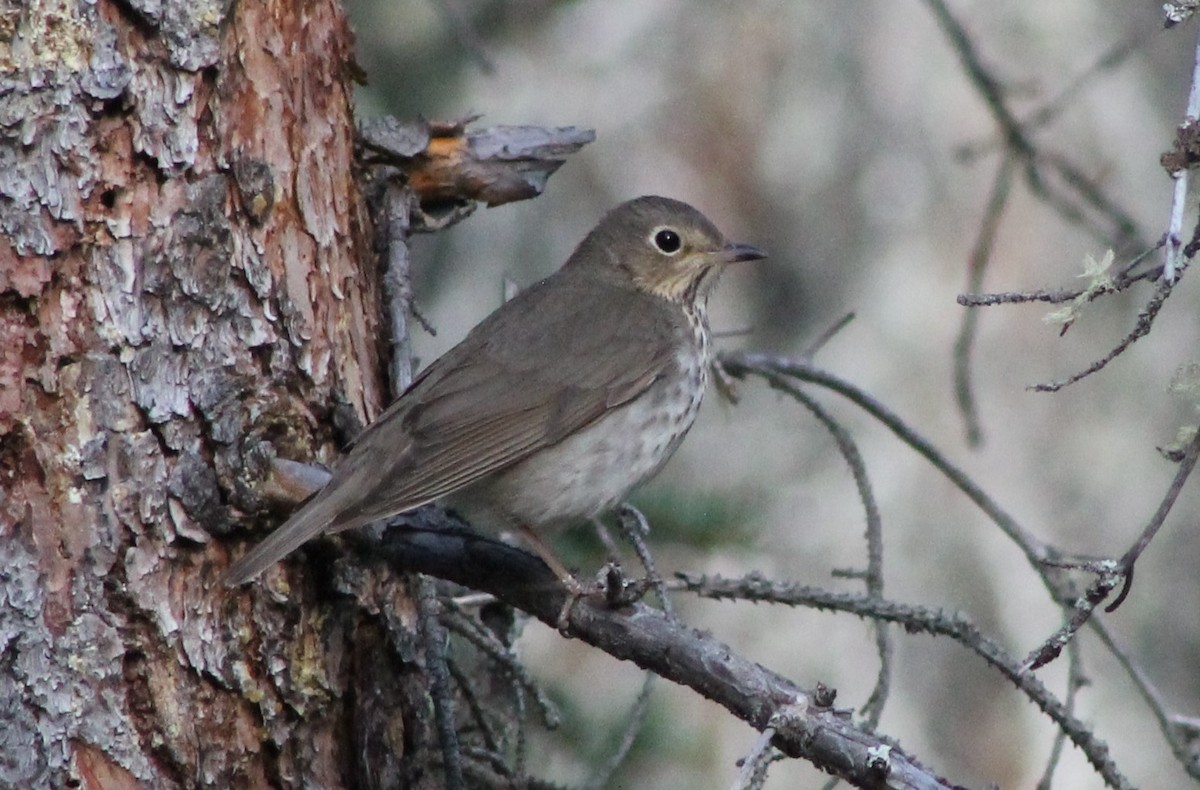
(667, 241)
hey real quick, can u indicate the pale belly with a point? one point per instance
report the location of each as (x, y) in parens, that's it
(593, 470)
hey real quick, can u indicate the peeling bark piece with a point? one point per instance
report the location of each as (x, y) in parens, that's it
(497, 165)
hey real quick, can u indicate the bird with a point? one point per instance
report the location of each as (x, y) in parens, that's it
(554, 407)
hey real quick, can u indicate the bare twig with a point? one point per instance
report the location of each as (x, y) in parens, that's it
(1160, 515)
(633, 727)
(1109, 575)
(819, 343)
(872, 709)
(915, 619)
(486, 642)
(467, 690)
(1122, 280)
(1141, 328)
(636, 528)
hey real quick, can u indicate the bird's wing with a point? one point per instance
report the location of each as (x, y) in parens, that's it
(516, 385)
(512, 386)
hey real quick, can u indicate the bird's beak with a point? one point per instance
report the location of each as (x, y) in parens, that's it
(738, 253)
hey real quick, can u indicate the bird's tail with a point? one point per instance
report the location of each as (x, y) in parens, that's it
(308, 522)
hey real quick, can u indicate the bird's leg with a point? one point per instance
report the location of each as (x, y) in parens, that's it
(575, 590)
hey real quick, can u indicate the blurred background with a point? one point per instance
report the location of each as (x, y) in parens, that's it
(831, 134)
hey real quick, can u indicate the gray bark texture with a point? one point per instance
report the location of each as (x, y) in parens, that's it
(187, 289)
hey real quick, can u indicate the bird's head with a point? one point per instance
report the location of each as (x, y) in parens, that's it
(662, 246)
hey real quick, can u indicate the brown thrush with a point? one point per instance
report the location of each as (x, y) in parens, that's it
(556, 405)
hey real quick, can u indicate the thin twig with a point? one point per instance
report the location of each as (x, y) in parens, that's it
(819, 342)
(872, 709)
(486, 642)
(633, 727)
(916, 619)
(1121, 281)
(1160, 515)
(635, 528)
(466, 689)
(1109, 576)
(1141, 328)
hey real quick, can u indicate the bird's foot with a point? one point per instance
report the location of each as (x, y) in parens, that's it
(617, 589)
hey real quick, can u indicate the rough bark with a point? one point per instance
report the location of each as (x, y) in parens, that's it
(190, 289)
(185, 284)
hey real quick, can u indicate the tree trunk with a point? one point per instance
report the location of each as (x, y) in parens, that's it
(186, 283)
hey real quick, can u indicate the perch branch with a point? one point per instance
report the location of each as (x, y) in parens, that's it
(807, 726)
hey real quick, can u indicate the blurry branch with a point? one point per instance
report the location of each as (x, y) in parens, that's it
(1051, 177)
(1054, 107)
(918, 619)
(753, 771)
(980, 255)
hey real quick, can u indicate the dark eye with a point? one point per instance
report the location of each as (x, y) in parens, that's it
(667, 241)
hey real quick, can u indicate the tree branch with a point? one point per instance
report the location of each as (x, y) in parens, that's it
(806, 724)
